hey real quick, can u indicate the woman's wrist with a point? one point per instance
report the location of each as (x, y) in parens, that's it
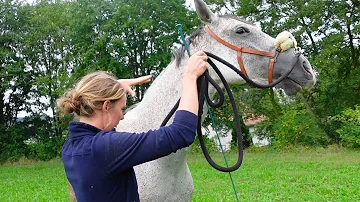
(189, 77)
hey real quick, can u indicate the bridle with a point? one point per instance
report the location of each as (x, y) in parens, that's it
(241, 50)
(203, 84)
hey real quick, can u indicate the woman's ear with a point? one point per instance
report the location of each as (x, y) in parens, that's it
(106, 106)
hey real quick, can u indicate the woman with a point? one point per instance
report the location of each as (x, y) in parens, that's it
(98, 160)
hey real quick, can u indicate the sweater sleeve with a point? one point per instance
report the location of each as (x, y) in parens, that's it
(119, 151)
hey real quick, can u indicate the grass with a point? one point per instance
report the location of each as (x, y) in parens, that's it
(33, 181)
(292, 176)
(313, 175)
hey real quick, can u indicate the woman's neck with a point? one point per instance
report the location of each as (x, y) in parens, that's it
(93, 120)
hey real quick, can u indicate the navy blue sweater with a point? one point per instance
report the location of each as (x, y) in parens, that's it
(99, 164)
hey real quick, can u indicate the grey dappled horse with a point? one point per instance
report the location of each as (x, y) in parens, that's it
(169, 178)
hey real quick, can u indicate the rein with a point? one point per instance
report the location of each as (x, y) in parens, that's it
(203, 94)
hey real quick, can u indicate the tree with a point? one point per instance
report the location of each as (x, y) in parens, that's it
(329, 33)
(14, 78)
(48, 55)
(138, 37)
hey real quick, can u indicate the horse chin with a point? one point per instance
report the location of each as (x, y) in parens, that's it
(289, 86)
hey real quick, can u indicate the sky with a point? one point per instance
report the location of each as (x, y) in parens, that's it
(191, 3)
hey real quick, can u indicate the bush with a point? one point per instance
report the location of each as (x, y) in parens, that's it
(34, 137)
(349, 130)
(246, 137)
(12, 146)
(44, 151)
(297, 128)
(209, 143)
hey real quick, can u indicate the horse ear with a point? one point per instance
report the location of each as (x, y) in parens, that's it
(203, 11)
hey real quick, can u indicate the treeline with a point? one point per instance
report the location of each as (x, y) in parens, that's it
(329, 33)
(47, 45)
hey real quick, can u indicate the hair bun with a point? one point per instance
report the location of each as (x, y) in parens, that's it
(76, 103)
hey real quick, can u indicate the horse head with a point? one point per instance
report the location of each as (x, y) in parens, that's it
(244, 41)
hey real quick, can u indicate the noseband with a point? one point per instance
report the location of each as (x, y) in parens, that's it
(241, 50)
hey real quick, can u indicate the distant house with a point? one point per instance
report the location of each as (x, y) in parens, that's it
(251, 122)
(225, 139)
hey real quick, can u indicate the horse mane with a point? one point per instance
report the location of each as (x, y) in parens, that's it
(178, 53)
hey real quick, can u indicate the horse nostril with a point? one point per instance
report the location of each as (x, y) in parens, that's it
(307, 67)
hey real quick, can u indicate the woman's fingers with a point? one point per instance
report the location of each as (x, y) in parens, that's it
(128, 83)
(197, 64)
(136, 81)
(131, 92)
(201, 53)
(141, 80)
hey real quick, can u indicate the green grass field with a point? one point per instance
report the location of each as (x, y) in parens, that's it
(314, 175)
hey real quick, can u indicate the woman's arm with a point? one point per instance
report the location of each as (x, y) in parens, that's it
(196, 66)
(116, 152)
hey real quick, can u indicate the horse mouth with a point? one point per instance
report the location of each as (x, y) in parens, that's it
(290, 86)
(294, 82)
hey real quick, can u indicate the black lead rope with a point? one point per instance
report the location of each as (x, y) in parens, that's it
(202, 86)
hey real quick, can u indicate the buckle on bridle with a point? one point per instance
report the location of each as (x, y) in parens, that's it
(298, 51)
(278, 50)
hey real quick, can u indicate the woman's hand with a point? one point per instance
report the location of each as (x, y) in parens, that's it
(196, 65)
(128, 83)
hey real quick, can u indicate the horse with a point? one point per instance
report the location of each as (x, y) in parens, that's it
(169, 178)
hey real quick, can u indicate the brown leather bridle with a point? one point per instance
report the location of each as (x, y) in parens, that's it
(241, 50)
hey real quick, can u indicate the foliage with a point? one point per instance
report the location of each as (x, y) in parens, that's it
(295, 128)
(33, 138)
(47, 45)
(289, 120)
(222, 118)
(350, 127)
(131, 39)
(328, 31)
(15, 81)
(209, 144)
(44, 143)
(12, 145)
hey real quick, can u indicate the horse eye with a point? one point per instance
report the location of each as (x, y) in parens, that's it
(242, 30)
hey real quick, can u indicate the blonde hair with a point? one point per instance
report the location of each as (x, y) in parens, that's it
(91, 91)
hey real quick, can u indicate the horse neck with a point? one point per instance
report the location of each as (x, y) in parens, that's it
(157, 102)
(160, 97)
